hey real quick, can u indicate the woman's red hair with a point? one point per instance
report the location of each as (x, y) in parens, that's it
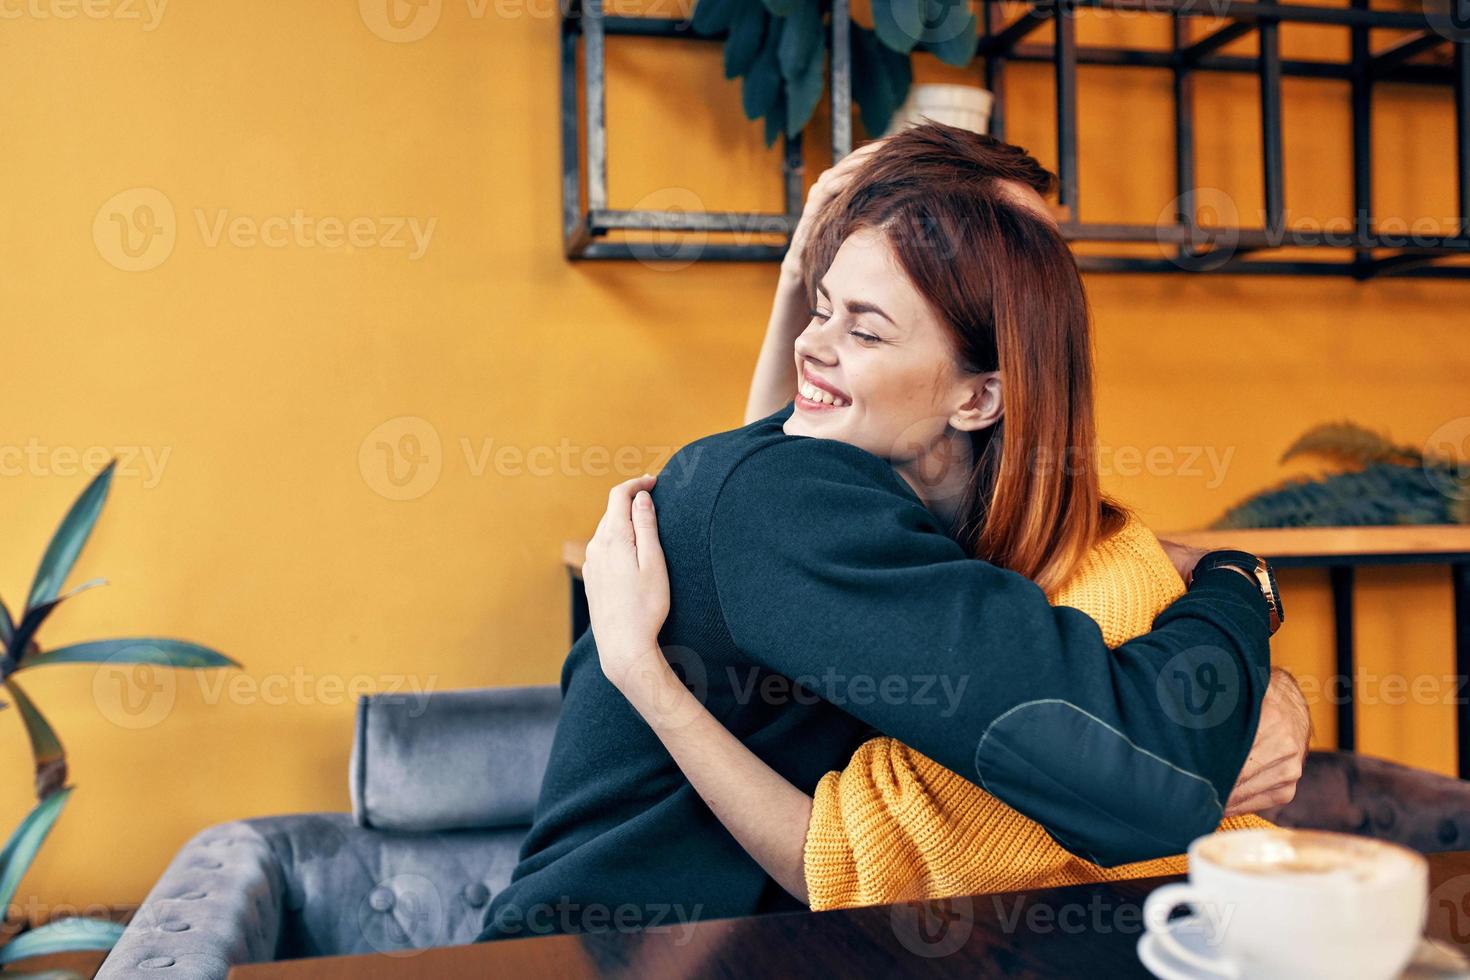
(1006, 284)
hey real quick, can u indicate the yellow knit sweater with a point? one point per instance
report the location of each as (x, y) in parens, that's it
(896, 825)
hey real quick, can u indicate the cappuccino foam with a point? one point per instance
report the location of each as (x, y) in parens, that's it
(1296, 852)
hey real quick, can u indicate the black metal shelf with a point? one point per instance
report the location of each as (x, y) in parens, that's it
(1184, 245)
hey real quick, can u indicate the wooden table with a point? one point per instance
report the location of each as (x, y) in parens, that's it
(1340, 550)
(1088, 931)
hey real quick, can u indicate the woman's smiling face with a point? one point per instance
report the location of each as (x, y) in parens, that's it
(876, 367)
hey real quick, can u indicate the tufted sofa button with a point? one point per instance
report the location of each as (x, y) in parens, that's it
(156, 963)
(381, 898)
(476, 894)
(1449, 831)
(208, 865)
(174, 926)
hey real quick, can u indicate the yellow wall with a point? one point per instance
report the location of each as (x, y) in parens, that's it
(263, 372)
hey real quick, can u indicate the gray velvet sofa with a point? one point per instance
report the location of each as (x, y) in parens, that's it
(443, 787)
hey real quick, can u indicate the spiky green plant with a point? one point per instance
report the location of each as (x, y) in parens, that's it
(778, 49)
(23, 652)
(1380, 482)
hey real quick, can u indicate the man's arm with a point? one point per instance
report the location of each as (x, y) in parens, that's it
(830, 572)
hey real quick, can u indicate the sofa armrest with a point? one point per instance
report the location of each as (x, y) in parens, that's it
(452, 760)
(311, 884)
(218, 903)
(1358, 794)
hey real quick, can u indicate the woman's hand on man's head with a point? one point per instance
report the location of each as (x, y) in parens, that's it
(628, 586)
(828, 185)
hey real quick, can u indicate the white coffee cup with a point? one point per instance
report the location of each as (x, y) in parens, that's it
(1296, 903)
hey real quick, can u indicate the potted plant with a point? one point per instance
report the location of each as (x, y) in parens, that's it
(778, 49)
(22, 652)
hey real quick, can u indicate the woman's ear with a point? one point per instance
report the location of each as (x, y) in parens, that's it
(983, 405)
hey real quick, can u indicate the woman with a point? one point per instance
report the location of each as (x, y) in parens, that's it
(894, 824)
(835, 562)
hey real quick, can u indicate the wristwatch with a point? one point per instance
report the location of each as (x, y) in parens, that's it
(1257, 569)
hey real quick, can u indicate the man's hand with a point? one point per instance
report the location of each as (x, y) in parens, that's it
(1269, 776)
(1184, 557)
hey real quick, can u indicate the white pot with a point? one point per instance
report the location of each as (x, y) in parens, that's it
(965, 106)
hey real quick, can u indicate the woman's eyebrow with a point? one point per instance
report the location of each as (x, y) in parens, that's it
(857, 306)
(863, 306)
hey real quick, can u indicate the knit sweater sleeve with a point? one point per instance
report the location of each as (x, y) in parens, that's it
(894, 825)
(829, 572)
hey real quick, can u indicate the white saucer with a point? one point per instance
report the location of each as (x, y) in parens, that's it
(1189, 932)
(1431, 960)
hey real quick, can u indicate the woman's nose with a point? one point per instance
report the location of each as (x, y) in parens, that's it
(815, 342)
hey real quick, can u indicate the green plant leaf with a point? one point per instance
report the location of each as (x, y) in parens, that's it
(880, 80)
(869, 87)
(7, 627)
(1350, 444)
(72, 935)
(713, 16)
(20, 850)
(747, 31)
(36, 615)
(804, 92)
(800, 36)
(66, 544)
(953, 33)
(784, 8)
(762, 84)
(46, 748)
(136, 650)
(899, 24)
(776, 119)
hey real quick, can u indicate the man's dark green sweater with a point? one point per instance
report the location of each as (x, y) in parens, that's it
(811, 560)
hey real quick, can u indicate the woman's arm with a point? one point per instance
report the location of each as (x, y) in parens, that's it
(628, 597)
(774, 382)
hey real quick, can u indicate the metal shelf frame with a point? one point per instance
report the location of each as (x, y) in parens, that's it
(587, 219)
(1188, 246)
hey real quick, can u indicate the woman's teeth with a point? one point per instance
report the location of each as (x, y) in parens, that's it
(811, 392)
